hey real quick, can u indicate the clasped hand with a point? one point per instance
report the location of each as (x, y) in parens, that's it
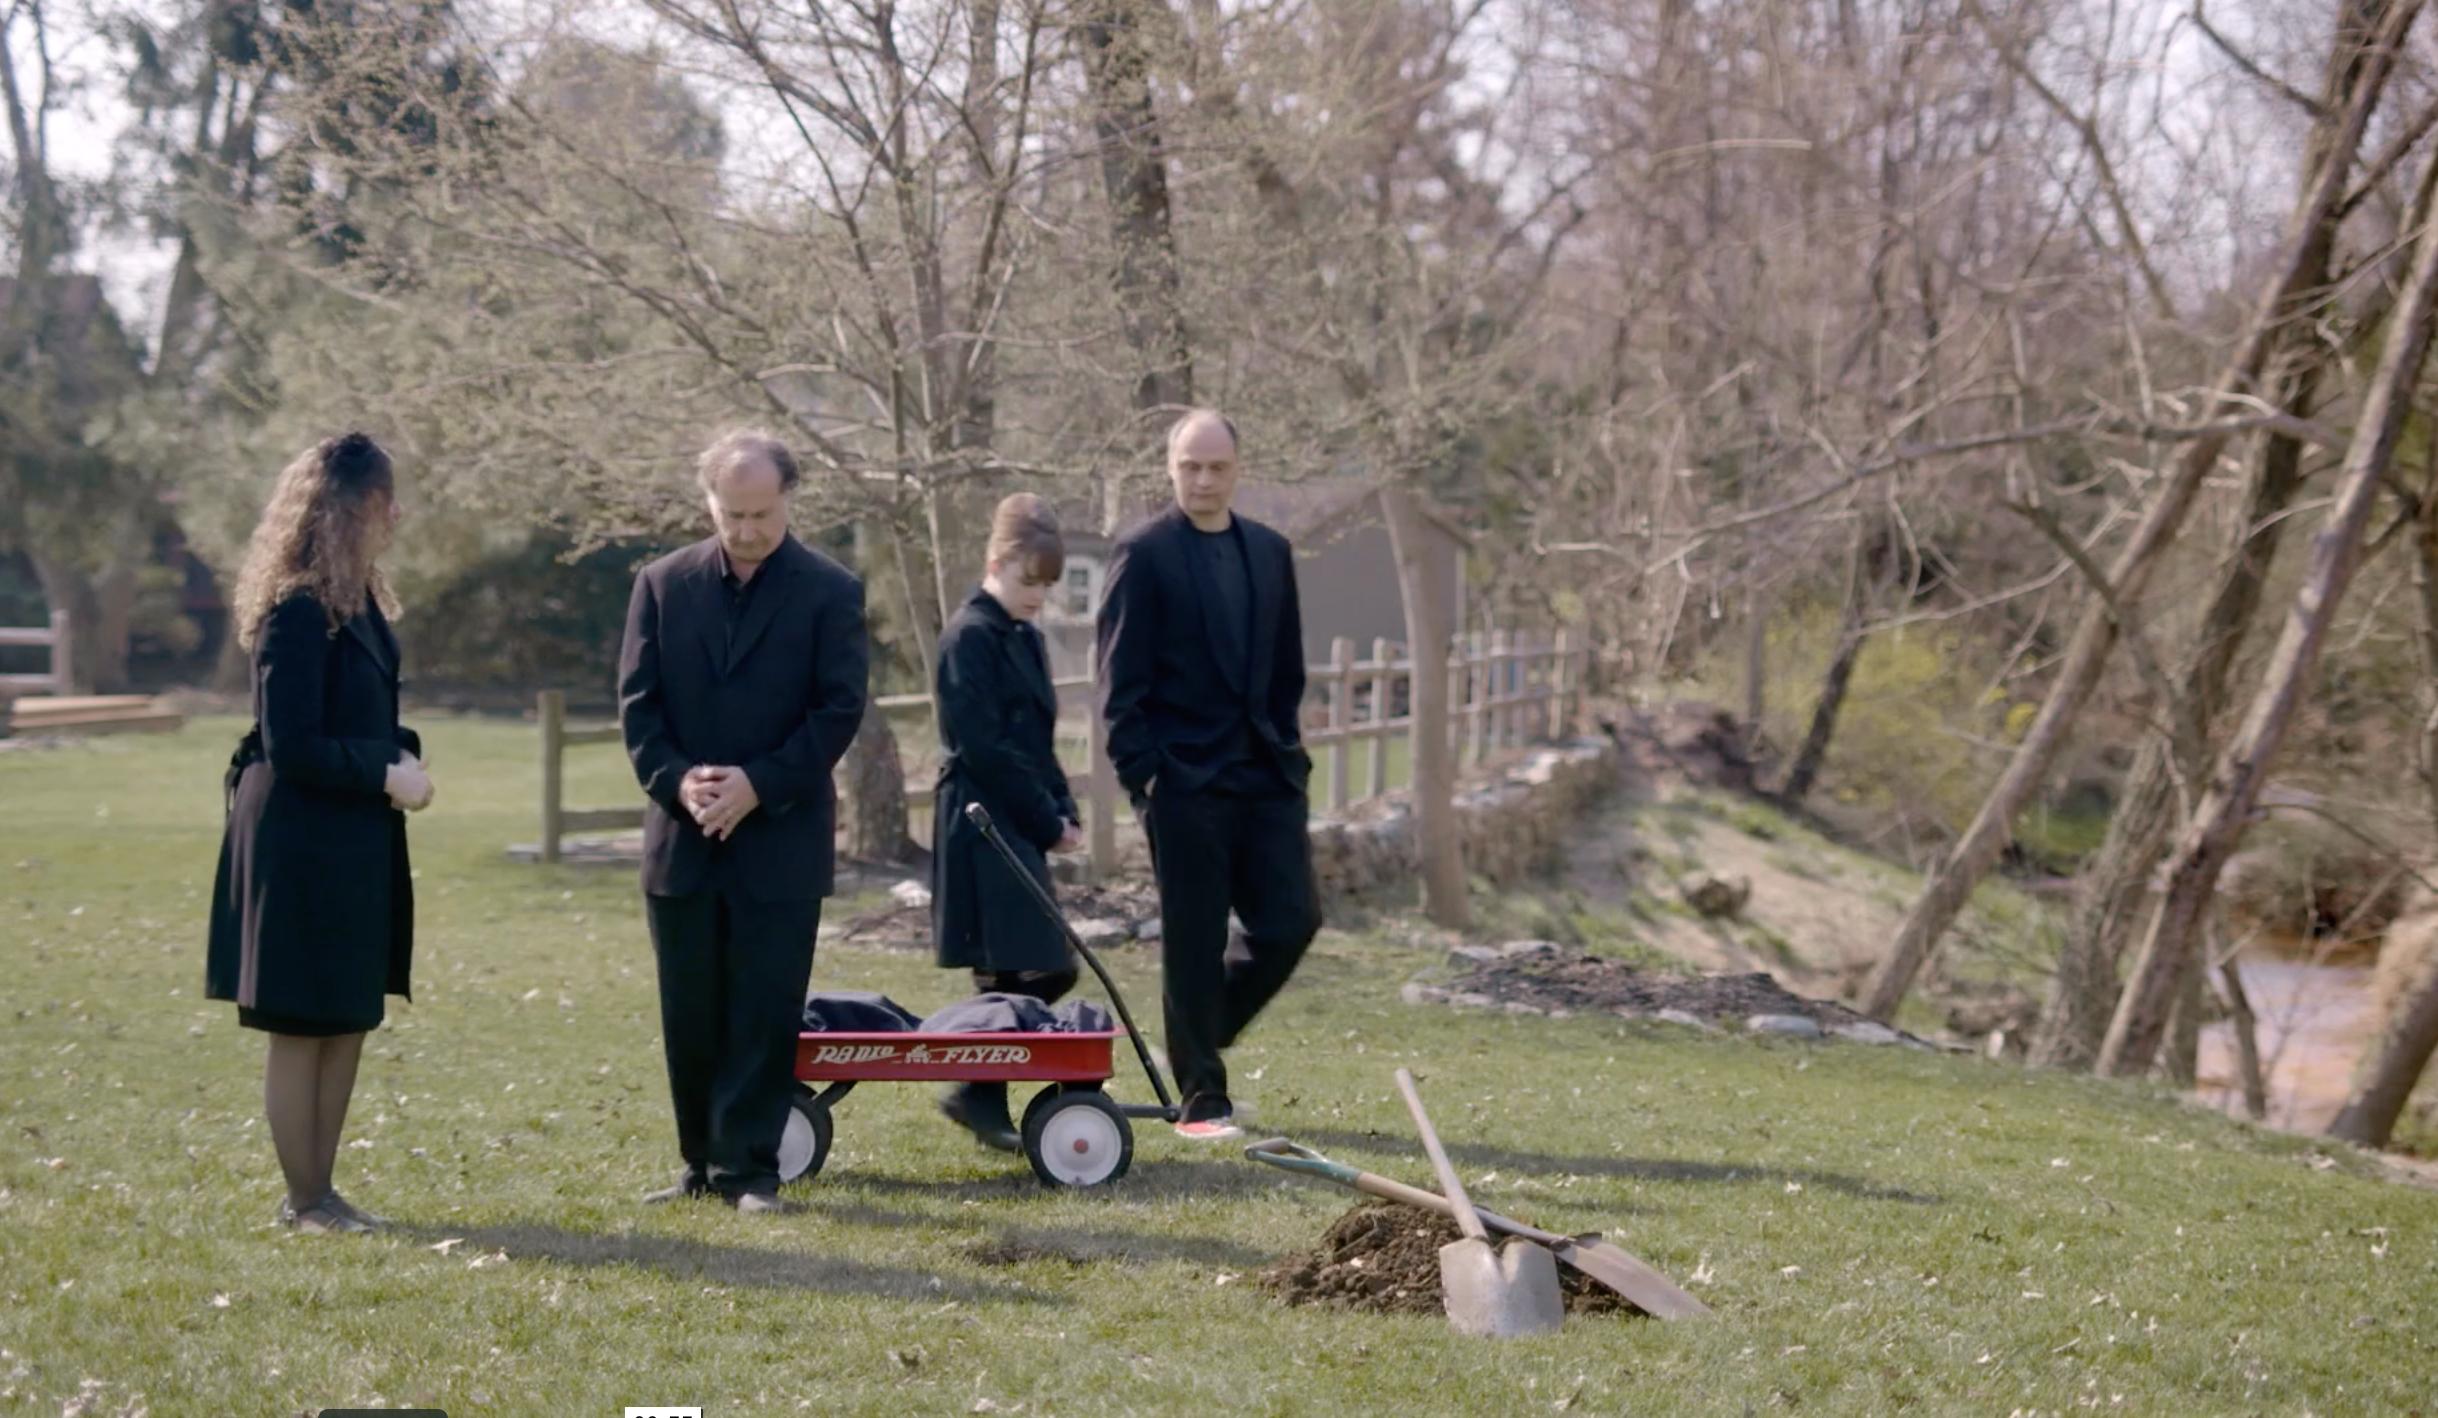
(408, 784)
(718, 797)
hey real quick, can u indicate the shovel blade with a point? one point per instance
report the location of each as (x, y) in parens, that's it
(1652, 1293)
(1500, 1294)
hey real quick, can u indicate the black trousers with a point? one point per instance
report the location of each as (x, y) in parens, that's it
(732, 979)
(1047, 986)
(1213, 853)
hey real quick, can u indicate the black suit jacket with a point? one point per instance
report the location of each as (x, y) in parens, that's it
(782, 702)
(1174, 709)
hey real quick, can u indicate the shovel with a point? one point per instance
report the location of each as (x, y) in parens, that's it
(1500, 1294)
(1651, 1292)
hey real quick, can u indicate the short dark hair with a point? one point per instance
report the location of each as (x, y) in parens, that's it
(1190, 415)
(745, 446)
(1024, 530)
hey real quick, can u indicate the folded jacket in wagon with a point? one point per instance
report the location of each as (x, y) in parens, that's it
(866, 1012)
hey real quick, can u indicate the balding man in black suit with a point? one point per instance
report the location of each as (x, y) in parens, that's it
(1201, 670)
(740, 684)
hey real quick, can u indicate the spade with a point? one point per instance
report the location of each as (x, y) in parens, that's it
(1503, 1294)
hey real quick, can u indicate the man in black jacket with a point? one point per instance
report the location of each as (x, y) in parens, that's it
(740, 684)
(1201, 654)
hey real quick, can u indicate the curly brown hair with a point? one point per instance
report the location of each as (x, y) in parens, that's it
(324, 529)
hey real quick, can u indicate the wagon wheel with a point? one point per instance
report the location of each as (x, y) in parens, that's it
(1076, 1137)
(804, 1144)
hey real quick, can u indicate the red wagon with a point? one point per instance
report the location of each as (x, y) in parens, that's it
(1075, 1134)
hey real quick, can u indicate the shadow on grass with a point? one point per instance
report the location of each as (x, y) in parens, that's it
(1145, 1181)
(1649, 1169)
(1076, 1244)
(1083, 1245)
(743, 1266)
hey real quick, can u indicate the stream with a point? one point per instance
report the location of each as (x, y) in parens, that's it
(2314, 1022)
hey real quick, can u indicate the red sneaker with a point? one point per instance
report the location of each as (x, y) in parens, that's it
(1218, 1129)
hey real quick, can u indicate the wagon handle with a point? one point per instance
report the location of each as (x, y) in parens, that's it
(979, 816)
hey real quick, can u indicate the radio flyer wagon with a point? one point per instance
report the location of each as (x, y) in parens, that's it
(1075, 1134)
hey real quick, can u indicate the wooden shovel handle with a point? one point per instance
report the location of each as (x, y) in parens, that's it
(1466, 1220)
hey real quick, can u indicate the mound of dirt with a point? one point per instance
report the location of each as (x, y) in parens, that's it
(1542, 977)
(1383, 1258)
(1585, 983)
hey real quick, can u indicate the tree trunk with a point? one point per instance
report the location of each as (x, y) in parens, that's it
(2360, 67)
(2083, 992)
(1134, 174)
(872, 801)
(1434, 768)
(1814, 753)
(1756, 671)
(2384, 1079)
(2218, 823)
(100, 607)
(973, 350)
(1823, 727)
(2184, 1033)
(2246, 1026)
(872, 776)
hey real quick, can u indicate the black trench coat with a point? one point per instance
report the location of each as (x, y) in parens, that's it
(313, 912)
(998, 726)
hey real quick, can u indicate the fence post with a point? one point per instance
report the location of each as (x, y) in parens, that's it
(1503, 690)
(1100, 792)
(1383, 686)
(63, 655)
(550, 706)
(1457, 673)
(1560, 680)
(1531, 677)
(1341, 717)
(1477, 687)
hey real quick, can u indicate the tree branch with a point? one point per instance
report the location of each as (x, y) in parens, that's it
(2244, 62)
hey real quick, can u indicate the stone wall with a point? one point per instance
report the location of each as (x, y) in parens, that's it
(1515, 825)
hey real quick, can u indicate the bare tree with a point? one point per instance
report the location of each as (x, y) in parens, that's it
(1434, 758)
(2363, 55)
(2218, 820)
(1134, 174)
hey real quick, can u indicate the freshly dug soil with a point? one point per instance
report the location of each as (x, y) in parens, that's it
(1591, 984)
(1383, 1257)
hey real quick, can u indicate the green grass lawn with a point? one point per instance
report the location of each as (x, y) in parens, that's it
(1880, 1230)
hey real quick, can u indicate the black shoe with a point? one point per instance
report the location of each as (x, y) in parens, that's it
(984, 1114)
(347, 1208)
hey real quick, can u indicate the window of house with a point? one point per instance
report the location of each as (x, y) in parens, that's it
(1075, 591)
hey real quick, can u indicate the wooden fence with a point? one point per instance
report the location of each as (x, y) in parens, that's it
(54, 638)
(1504, 691)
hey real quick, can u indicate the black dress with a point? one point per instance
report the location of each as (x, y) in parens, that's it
(998, 725)
(313, 907)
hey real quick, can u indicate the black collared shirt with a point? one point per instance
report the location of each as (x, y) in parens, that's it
(736, 594)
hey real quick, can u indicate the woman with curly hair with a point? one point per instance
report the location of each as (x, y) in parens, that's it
(313, 911)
